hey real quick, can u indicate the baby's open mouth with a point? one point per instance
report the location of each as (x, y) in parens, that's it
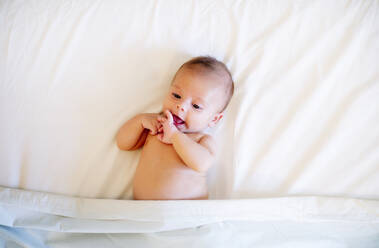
(177, 120)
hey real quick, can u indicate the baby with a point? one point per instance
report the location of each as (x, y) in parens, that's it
(176, 152)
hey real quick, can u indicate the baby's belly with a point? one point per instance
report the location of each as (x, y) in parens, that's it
(162, 175)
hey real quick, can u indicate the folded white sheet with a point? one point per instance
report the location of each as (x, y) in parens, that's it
(55, 220)
(304, 119)
(300, 135)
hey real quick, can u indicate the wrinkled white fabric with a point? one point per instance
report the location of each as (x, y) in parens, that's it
(304, 118)
(286, 221)
(302, 126)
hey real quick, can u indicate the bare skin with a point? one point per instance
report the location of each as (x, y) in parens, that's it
(162, 175)
(176, 154)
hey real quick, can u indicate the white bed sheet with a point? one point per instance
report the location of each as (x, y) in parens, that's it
(301, 130)
(304, 119)
(55, 221)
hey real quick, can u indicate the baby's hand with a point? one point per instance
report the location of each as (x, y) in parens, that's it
(150, 121)
(168, 128)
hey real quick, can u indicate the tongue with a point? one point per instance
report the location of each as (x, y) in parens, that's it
(177, 120)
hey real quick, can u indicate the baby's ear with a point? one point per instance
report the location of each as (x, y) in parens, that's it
(216, 118)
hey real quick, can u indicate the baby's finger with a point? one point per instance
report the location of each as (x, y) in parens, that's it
(163, 121)
(157, 126)
(169, 116)
(153, 131)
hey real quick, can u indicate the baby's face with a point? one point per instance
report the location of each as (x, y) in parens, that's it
(195, 99)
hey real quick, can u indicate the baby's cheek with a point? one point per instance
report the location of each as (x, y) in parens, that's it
(165, 104)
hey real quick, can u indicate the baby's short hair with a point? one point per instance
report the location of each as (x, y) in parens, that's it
(209, 64)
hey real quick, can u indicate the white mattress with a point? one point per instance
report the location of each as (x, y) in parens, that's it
(303, 122)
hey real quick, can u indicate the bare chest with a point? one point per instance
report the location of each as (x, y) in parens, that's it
(156, 152)
(161, 174)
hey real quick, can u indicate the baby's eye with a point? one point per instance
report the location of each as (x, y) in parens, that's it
(196, 106)
(176, 95)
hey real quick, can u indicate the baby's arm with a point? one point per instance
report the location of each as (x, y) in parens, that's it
(197, 156)
(133, 133)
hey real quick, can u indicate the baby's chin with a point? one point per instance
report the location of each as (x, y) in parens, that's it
(181, 127)
(188, 130)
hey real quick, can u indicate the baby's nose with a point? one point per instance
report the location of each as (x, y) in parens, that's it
(180, 107)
